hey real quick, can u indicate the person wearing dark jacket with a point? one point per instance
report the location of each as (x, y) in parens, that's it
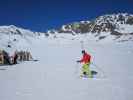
(15, 58)
(6, 58)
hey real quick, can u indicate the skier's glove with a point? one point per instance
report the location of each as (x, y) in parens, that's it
(78, 61)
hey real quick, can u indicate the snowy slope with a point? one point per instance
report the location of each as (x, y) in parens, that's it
(125, 29)
(56, 75)
(12, 38)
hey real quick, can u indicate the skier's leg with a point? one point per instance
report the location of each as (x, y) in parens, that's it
(87, 70)
(83, 70)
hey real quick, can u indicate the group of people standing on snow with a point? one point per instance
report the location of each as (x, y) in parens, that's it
(24, 56)
(4, 57)
(18, 56)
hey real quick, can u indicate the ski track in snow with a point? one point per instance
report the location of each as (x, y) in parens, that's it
(56, 75)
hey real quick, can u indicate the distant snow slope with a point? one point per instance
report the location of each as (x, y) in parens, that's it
(56, 75)
(125, 29)
(13, 38)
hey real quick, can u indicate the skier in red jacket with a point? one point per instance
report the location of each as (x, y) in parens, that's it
(86, 59)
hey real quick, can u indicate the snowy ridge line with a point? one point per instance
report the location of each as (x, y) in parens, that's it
(113, 27)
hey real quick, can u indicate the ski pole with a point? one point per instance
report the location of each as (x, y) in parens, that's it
(76, 67)
(77, 70)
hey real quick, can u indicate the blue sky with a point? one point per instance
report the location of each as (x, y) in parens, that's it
(41, 15)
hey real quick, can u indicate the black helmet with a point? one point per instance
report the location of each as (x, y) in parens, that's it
(83, 51)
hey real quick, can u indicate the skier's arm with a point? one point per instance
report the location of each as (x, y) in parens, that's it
(81, 60)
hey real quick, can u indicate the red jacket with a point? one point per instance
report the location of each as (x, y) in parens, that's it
(86, 58)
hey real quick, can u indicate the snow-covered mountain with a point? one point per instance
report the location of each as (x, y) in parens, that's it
(113, 27)
(12, 37)
(13, 30)
(118, 26)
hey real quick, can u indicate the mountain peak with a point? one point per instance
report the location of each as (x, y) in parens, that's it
(104, 23)
(116, 25)
(12, 26)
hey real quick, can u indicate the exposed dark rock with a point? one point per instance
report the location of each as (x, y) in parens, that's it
(115, 33)
(131, 33)
(129, 21)
(18, 32)
(102, 37)
(46, 34)
(14, 39)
